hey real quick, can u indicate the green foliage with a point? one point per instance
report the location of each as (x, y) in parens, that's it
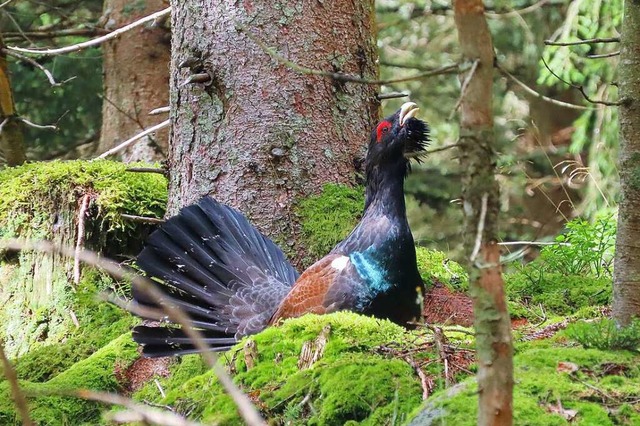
(97, 372)
(585, 249)
(540, 384)
(328, 218)
(435, 266)
(605, 334)
(351, 382)
(571, 275)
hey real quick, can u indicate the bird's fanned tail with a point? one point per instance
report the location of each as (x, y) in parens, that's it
(210, 262)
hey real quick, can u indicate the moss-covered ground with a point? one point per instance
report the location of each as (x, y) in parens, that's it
(367, 371)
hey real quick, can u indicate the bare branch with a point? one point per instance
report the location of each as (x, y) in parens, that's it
(142, 219)
(49, 34)
(130, 141)
(18, 397)
(604, 55)
(579, 88)
(30, 61)
(84, 205)
(442, 148)
(446, 69)
(538, 95)
(5, 3)
(465, 84)
(586, 41)
(160, 110)
(517, 13)
(483, 215)
(392, 95)
(95, 41)
(38, 126)
(147, 170)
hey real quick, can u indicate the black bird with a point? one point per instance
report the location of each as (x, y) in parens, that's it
(233, 281)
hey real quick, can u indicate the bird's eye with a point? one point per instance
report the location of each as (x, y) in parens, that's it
(383, 128)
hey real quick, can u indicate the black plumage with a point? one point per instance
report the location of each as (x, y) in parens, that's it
(233, 281)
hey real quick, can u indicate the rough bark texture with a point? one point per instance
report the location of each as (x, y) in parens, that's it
(12, 148)
(136, 80)
(626, 288)
(481, 207)
(257, 135)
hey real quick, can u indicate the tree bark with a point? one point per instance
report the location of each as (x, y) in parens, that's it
(11, 137)
(480, 193)
(626, 286)
(136, 80)
(254, 133)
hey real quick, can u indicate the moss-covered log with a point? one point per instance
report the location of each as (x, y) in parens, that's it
(44, 201)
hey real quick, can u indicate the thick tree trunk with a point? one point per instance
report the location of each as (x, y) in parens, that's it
(136, 80)
(481, 206)
(254, 133)
(626, 288)
(12, 148)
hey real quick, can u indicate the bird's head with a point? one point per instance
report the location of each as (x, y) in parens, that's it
(398, 138)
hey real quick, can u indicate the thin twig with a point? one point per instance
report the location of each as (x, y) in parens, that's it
(533, 243)
(245, 408)
(30, 61)
(579, 88)
(446, 69)
(142, 219)
(5, 3)
(483, 215)
(392, 95)
(18, 397)
(532, 92)
(160, 110)
(516, 13)
(38, 126)
(463, 89)
(604, 55)
(136, 412)
(95, 41)
(146, 170)
(49, 34)
(130, 141)
(442, 148)
(586, 41)
(84, 205)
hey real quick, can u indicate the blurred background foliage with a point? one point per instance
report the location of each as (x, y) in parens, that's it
(556, 163)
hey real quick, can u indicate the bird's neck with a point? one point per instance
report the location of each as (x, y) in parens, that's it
(385, 190)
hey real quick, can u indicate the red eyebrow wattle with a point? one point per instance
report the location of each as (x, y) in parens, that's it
(380, 128)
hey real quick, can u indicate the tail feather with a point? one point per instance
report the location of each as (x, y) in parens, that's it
(209, 261)
(159, 342)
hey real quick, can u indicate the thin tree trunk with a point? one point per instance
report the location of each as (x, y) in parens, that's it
(254, 133)
(626, 288)
(480, 193)
(136, 80)
(11, 138)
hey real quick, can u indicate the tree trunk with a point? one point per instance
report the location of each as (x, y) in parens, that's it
(626, 287)
(254, 133)
(12, 148)
(480, 193)
(136, 80)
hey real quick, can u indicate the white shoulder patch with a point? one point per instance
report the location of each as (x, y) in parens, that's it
(339, 262)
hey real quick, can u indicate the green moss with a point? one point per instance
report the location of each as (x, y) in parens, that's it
(97, 372)
(539, 385)
(435, 266)
(29, 194)
(557, 293)
(350, 382)
(328, 218)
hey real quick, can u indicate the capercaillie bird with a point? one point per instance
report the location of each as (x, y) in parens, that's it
(233, 281)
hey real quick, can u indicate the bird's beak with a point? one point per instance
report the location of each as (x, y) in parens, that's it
(407, 111)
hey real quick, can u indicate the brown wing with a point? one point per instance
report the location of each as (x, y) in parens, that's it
(309, 292)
